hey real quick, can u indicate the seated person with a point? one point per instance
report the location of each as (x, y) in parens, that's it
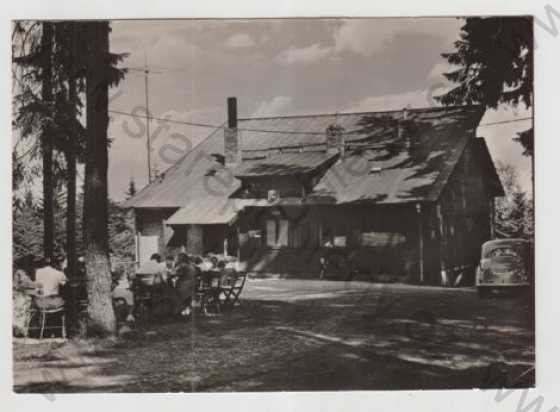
(185, 289)
(169, 268)
(151, 272)
(228, 273)
(123, 292)
(23, 291)
(206, 265)
(50, 280)
(22, 282)
(221, 267)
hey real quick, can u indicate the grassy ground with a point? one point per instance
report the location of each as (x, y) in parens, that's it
(304, 335)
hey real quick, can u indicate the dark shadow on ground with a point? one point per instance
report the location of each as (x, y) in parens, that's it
(334, 339)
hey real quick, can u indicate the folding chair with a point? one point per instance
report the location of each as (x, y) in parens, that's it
(43, 313)
(208, 289)
(232, 288)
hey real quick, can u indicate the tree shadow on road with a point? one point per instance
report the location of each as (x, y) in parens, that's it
(356, 340)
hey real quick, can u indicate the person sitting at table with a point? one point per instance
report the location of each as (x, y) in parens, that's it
(211, 287)
(196, 260)
(169, 268)
(151, 272)
(187, 274)
(227, 273)
(206, 264)
(22, 294)
(50, 280)
(122, 293)
(221, 266)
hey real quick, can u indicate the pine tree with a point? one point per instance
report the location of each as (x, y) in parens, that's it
(45, 61)
(494, 56)
(27, 229)
(131, 191)
(121, 231)
(70, 134)
(514, 215)
(100, 75)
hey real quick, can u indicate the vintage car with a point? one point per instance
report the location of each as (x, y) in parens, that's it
(505, 263)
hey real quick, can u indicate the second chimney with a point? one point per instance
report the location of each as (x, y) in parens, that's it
(401, 123)
(335, 141)
(231, 139)
(404, 128)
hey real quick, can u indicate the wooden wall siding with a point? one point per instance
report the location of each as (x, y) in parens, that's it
(307, 234)
(149, 222)
(467, 213)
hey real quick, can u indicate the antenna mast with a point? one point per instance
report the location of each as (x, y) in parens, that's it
(148, 143)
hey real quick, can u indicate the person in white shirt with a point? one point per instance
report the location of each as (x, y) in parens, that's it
(152, 271)
(50, 280)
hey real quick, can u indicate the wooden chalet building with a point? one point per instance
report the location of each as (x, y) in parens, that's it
(406, 194)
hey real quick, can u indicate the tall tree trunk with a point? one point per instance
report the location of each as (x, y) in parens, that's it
(71, 159)
(71, 234)
(47, 143)
(100, 308)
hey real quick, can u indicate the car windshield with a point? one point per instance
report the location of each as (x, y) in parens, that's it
(505, 252)
(512, 249)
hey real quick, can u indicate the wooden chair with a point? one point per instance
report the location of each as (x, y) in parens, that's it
(231, 289)
(208, 289)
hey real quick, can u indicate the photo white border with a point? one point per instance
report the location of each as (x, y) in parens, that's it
(547, 151)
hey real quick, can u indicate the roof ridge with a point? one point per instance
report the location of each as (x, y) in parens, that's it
(416, 109)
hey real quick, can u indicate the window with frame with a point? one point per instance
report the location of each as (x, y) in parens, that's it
(382, 239)
(276, 233)
(333, 235)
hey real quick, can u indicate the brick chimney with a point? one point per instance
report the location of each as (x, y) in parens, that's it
(403, 128)
(401, 123)
(335, 139)
(231, 139)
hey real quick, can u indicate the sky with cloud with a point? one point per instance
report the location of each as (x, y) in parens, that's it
(278, 67)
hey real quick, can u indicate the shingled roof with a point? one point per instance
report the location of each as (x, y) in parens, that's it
(286, 163)
(379, 167)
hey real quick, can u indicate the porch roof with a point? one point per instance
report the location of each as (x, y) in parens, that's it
(205, 211)
(214, 210)
(210, 210)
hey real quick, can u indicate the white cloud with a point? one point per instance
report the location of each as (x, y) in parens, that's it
(276, 106)
(304, 56)
(397, 101)
(240, 41)
(437, 85)
(368, 36)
